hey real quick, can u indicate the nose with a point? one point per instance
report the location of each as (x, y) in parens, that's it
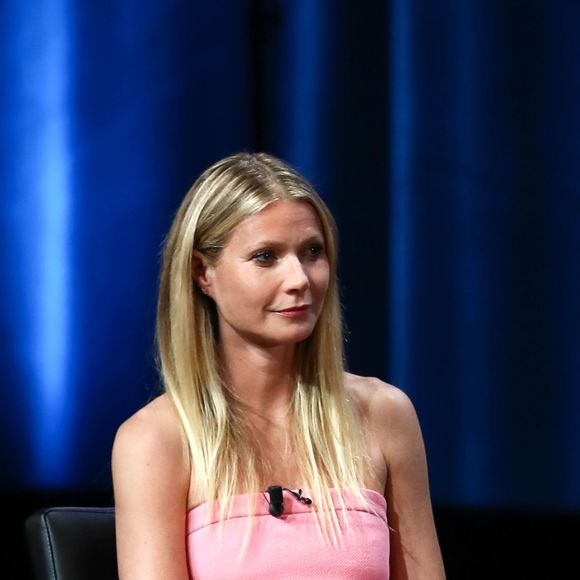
(295, 275)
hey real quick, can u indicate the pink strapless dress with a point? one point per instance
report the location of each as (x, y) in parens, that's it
(289, 546)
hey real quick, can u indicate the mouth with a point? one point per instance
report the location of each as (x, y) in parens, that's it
(301, 308)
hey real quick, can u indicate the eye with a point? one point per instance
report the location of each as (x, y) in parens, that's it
(264, 257)
(315, 250)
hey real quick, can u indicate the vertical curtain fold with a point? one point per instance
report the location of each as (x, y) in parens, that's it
(443, 136)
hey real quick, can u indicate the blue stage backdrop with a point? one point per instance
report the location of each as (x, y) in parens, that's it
(445, 138)
(109, 110)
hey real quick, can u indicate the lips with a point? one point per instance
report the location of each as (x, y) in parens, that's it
(296, 308)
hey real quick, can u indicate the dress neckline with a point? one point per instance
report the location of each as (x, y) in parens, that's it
(234, 499)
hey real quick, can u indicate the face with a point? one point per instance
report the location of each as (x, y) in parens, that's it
(270, 281)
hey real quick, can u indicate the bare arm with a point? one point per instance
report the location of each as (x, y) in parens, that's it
(415, 552)
(150, 479)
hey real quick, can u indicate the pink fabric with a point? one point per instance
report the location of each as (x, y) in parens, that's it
(289, 546)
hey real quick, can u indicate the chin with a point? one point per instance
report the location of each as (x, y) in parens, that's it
(287, 338)
(301, 336)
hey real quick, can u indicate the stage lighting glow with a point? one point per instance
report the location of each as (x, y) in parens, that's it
(42, 197)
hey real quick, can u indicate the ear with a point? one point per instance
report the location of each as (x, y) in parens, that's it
(201, 272)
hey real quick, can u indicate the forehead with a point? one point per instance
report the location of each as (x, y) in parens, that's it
(282, 220)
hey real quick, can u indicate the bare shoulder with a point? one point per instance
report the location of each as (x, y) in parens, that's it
(155, 426)
(150, 484)
(393, 426)
(378, 400)
(389, 415)
(150, 442)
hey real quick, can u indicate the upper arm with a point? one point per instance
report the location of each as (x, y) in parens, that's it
(150, 480)
(415, 552)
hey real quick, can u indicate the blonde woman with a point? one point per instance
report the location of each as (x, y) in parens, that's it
(263, 458)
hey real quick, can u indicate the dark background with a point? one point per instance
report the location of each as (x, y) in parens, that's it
(445, 138)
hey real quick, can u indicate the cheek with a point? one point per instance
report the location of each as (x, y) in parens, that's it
(320, 278)
(244, 286)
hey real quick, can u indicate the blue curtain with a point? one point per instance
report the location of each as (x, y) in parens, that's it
(109, 110)
(444, 136)
(484, 244)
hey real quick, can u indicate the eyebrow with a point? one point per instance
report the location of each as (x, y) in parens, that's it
(277, 244)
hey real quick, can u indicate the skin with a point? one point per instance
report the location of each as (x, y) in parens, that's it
(251, 283)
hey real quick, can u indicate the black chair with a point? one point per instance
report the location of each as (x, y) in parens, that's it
(73, 543)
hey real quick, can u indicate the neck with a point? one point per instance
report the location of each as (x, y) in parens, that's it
(261, 378)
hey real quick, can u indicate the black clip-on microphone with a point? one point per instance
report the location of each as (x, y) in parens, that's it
(276, 507)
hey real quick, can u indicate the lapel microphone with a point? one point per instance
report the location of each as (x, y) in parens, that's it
(276, 505)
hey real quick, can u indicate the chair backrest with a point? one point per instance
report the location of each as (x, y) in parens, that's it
(73, 543)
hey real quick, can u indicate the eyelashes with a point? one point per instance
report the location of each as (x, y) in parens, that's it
(263, 257)
(315, 250)
(267, 257)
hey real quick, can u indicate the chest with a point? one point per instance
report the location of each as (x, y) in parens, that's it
(279, 463)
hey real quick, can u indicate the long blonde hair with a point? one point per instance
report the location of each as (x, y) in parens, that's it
(225, 458)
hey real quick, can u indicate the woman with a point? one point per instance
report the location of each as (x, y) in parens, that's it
(264, 458)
